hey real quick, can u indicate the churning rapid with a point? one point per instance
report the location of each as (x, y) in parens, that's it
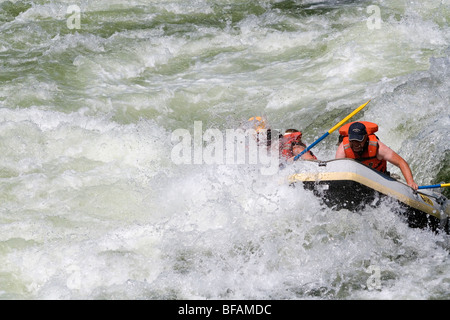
(93, 205)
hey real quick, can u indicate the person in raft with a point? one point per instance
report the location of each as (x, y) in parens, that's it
(291, 145)
(359, 142)
(263, 131)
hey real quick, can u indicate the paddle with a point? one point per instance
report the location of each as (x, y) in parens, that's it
(331, 130)
(442, 185)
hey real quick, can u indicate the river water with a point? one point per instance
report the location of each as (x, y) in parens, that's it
(94, 205)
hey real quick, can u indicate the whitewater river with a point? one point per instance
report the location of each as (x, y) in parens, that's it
(95, 202)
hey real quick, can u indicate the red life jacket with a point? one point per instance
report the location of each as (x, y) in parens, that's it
(369, 155)
(288, 141)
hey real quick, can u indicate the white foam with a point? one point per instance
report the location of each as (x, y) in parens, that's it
(86, 177)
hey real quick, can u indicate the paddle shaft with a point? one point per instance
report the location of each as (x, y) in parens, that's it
(435, 186)
(331, 130)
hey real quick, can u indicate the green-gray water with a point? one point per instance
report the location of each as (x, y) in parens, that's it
(93, 207)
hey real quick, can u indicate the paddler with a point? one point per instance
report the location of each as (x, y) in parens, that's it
(360, 143)
(290, 142)
(291, 145)
(263, 131)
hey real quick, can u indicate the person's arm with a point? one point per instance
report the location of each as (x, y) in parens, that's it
(306, 156)
(386, 153)
(340, 153)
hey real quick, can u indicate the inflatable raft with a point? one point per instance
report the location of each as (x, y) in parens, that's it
(347, 184)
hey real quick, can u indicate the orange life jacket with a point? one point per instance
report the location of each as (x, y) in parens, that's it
(287, 143)
(369, 155)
